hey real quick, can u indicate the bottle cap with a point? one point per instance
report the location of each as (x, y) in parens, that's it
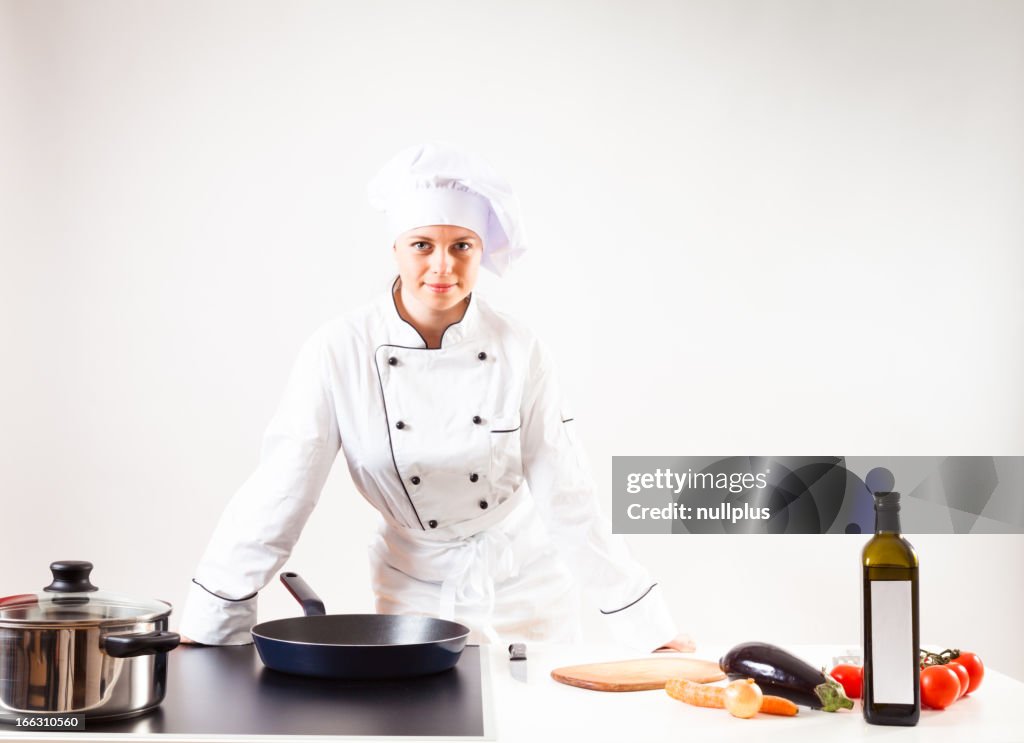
(887, 501)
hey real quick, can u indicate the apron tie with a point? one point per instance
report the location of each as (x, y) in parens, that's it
(482, 557)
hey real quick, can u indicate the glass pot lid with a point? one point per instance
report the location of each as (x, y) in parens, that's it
(71, 599)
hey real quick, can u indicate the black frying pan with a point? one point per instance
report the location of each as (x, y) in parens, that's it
(356, 646)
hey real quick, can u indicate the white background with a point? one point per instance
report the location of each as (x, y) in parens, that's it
(756, 228)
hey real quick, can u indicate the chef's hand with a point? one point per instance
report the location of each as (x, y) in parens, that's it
(681, 643)
(188, 641)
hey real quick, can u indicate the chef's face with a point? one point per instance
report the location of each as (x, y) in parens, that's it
(438, 264)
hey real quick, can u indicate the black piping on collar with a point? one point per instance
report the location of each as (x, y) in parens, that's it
(426, 346)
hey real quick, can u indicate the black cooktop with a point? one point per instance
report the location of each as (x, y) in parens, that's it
(228, 691)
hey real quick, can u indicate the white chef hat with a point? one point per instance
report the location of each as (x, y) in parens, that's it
(437, 183)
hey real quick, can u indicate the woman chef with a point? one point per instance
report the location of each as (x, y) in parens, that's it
(453, 426)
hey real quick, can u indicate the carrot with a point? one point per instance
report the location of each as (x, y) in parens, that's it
(777, 706)
(705, 695)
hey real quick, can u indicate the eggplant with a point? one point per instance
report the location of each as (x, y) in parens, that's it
(782, 674)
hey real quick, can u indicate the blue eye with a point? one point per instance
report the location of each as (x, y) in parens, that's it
(463, 246)
(420, 245)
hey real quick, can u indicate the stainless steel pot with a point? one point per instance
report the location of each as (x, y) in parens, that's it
(73, 649)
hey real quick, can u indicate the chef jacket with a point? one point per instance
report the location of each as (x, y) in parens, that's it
(469, 454)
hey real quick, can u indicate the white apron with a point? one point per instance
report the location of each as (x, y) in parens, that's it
(505, 582)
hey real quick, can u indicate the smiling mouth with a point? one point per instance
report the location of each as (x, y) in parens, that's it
(440, 288)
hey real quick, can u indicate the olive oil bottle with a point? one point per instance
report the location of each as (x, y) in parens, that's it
(890, 629)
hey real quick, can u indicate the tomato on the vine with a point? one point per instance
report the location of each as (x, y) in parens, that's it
(975, 669)
(940, 686)
(850, 677)
(962, 676)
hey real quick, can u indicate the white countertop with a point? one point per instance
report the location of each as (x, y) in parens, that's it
(542, 710)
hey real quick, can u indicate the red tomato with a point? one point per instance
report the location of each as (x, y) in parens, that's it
(975, 669)
(940, 686)
(962, 675)
(850, 677)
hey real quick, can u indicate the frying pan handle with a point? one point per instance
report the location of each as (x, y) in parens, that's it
(312, 605)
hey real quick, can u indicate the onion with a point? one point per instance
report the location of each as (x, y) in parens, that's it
(743, 698)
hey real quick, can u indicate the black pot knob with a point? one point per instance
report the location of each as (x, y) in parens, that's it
(71, 576)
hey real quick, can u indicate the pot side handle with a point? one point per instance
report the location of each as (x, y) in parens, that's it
(133, 645)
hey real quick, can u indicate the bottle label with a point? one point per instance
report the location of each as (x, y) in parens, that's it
(892, 642)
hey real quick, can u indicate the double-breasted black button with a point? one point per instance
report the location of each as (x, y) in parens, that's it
(415, 480)
(483, 504)
(432, 524)
(482, 356)
(474, 477)
(477, 419)
(400, 425)
(392, 361)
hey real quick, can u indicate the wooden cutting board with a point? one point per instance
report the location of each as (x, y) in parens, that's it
(638, 675)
